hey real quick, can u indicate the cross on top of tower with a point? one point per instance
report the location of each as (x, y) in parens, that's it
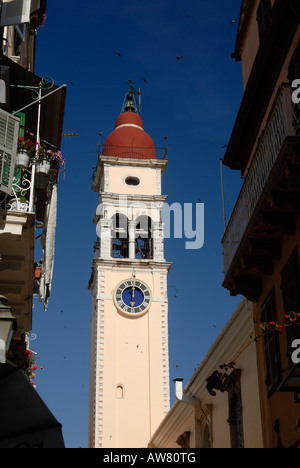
(130, 101)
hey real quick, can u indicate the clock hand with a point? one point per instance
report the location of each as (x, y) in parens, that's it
(132, 297)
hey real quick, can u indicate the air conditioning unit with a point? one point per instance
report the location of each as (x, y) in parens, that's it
(15, 12)
(9, 131)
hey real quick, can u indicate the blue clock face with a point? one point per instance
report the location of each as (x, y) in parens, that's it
(133, 297)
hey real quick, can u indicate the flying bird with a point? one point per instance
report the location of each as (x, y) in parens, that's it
(117, 53)
(232, 22)
(179, 58)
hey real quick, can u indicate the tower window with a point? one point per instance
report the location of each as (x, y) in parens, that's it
(120, 392)
(132, 181)
(119, 236)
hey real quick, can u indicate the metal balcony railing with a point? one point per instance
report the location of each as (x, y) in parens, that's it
(20, 191)
(283, 121)
(23, 189)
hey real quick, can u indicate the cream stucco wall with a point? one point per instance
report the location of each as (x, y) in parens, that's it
(129, 359)
(132, 355)
(149, 180)
(213, 411)
(129, 394)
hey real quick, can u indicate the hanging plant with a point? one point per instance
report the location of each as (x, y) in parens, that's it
(216, 381)
(30, 366)
(24, 144)
(53, 156)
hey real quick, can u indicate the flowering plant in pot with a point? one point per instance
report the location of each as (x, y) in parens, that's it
(47, 159)
(31, 366)
(53, 156)
(26, 145)
(26, 150)
(38, 269)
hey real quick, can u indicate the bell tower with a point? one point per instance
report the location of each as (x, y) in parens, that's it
(129, 383)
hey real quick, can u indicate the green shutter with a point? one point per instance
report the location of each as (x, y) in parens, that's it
(9, 131)
(21, 116)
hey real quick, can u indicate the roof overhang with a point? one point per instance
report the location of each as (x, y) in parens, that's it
(52, 108)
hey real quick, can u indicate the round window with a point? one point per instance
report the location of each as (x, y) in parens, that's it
(132, 181)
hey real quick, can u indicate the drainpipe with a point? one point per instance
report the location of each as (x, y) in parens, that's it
(180, 395)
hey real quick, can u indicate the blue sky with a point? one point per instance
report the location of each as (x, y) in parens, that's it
(193, 102)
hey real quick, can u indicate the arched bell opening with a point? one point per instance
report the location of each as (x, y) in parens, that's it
(144, 238)
(119, 236)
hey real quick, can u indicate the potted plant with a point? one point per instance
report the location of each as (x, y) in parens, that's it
(26, 150)
(57, 159)
(43, 164)
(47, 159)
(38, 269)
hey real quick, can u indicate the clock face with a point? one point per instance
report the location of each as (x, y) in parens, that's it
(133, 297)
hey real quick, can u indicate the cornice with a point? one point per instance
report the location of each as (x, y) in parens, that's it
(126, 265)
(116, 198)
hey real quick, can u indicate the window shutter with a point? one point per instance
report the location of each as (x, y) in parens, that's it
(15, 12)
(271, 343)
(9, 130)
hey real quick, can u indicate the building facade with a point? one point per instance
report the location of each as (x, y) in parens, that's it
(28, 200)
(210, 418)
(129, 387)
(262, 240)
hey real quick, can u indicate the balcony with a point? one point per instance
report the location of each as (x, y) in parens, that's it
(25, 212)
(267, 203)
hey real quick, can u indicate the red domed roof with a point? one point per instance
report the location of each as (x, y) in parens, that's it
(129, 140)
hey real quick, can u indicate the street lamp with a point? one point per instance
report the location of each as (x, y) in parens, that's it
(8, 324)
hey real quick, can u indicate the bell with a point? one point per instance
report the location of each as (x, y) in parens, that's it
(130, 105)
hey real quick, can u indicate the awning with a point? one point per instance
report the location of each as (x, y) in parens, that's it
(25, 420)
(52, 108)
